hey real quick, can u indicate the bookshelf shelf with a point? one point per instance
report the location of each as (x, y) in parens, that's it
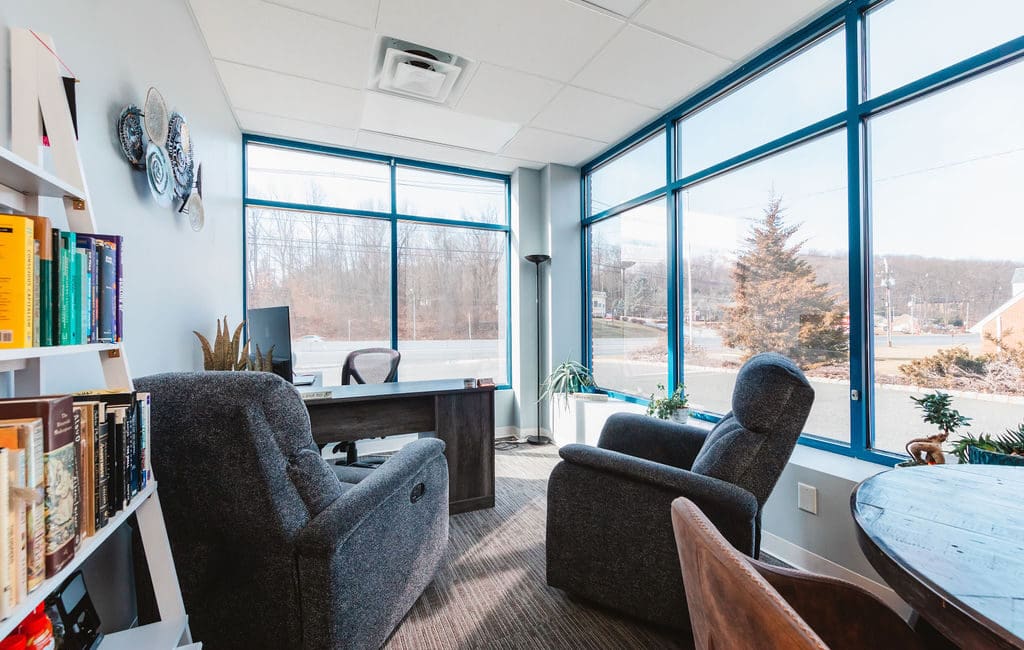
(89, 545)
(25, 177)
(18, 358)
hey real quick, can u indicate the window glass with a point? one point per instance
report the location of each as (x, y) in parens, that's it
(452, 302)
(629, 175)
(426, 193)
(629, 299)
(765, 269)
(947, 233)
(909, 39)
(801, 90)
(332, 271)
(309, 178)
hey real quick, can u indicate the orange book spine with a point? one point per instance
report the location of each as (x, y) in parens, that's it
(16, 281)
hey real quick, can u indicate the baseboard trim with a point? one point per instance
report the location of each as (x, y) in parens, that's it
(515, 433)
(805, 560)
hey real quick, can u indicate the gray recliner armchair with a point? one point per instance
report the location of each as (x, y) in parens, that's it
(609, 529)
(272, 550)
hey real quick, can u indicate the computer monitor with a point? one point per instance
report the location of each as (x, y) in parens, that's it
(271, 327)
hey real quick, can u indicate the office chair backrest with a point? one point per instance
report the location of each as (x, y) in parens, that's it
(370, 366)
(731, 606)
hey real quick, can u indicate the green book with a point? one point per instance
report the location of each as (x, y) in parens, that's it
(83, 295)
(64, 289)
(75, 299)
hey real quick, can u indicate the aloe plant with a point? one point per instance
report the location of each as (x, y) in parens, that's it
(565, 379)
(224, 353)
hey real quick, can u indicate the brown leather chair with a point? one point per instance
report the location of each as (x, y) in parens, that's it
(738, 603)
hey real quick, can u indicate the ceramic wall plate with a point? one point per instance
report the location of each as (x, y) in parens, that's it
(132, 136)
(156, 117)
(158, 173)
(179, 152)
(196, 212)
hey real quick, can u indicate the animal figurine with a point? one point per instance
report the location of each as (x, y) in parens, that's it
(928, 450)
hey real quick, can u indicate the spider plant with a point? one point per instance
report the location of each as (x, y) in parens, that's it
(565, 379)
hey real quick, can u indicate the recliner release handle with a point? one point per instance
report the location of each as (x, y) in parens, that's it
(417, 491)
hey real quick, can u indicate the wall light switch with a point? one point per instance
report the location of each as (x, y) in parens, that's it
(807, 498)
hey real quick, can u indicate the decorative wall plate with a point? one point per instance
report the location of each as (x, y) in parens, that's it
(156, 117)
(179, 152)
(158, 173)
(132, 136)
(196, 212)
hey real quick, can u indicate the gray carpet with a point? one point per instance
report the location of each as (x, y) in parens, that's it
(490, 591)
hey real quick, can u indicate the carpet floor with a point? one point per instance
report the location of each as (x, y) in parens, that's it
(490, 591)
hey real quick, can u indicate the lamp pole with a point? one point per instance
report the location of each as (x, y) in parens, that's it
(537, 260)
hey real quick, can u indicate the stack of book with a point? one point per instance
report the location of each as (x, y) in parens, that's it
(58, 287)
(72, 462)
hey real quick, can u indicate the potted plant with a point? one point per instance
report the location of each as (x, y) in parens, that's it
(569, 383)
(937, 408)
(1007, 449)
(670, 407)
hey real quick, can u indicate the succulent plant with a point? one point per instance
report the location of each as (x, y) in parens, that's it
(224, 353)
(263, 363)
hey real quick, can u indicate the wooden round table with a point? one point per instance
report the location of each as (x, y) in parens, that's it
(949, 539)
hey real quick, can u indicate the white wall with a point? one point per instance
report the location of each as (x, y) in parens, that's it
(177, 280)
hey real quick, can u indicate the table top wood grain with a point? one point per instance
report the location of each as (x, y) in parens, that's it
(949, 539)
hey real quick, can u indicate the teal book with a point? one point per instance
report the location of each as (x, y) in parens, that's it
(75, 287)
(68, 329)
(84, 304)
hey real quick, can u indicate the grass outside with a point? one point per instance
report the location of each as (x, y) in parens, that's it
(613, 329)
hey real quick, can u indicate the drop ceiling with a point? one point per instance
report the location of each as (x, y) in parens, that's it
(550, 81)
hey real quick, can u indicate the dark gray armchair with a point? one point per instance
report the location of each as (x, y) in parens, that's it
(609, 530)
(272, 550)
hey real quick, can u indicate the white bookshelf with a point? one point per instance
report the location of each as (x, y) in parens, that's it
(37, 89)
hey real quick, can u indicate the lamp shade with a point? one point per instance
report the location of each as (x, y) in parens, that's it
(537, 258)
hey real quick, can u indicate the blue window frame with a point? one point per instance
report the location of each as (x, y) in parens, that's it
(399, 214)
(848, 24)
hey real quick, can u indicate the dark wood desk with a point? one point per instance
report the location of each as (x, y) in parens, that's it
(949, 539)
(462, 417)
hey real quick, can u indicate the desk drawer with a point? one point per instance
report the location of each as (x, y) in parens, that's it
(371, 419)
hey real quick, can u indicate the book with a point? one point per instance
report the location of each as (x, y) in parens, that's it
(68, 328)
(110, 285)
(35, 292)
(90, 295)
(76, 510)
(59, 465)
(102, 467)
(117, 417)
(6, 581)
(27, 434)
(44, 279)
(83, 301)
(18, 558)
(55, 287)
(86, 467)
(16, 281)
(74, 290)
(145, 471)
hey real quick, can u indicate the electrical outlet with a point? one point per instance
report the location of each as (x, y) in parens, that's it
(807, 498)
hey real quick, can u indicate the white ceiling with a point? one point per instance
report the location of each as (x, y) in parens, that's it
(551, 81)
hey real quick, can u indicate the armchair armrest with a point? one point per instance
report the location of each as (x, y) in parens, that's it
(661, 441)
(729, 506)
(332, 527)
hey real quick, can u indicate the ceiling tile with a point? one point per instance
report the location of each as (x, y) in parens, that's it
(281, 39)
(429, 151)
(361, 13)
(734, 32)
(551, 38)
(551, 147)
(649, 69)
(263, 124)
(592, 115)
(505, 94)
(621, 7)
(278, 94)
(422, 121)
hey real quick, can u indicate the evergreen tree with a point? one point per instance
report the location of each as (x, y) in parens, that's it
(778, 303)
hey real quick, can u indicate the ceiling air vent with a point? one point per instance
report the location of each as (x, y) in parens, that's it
(417, 71)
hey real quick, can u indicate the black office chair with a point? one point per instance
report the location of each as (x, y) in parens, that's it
(367, 366)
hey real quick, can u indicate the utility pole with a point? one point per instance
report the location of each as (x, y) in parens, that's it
(888, 282)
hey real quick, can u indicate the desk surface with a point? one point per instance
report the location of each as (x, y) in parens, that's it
(949, 539)
(368, 392)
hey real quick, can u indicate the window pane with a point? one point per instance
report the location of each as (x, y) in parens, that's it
(333, 272)
(308, 178)
(909, 39)
(629, 300)
(637, 171)
(765, 268)
(801, 90)
(425, 193)
(452, 302)
(946, 191)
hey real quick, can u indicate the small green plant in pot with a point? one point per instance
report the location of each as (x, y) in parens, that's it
(673, 407)
(984, 449)
(567, 378)
(937, 408)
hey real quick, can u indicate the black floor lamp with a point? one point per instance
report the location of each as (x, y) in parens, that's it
(538, 439)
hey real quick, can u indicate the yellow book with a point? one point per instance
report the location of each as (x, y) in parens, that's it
(17, 281)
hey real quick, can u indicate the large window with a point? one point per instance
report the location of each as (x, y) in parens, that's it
(428, 275)
(850, 198)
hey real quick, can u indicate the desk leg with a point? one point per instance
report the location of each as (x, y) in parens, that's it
(465, 422)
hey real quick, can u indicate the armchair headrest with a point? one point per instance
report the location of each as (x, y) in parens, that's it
(770, 390)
